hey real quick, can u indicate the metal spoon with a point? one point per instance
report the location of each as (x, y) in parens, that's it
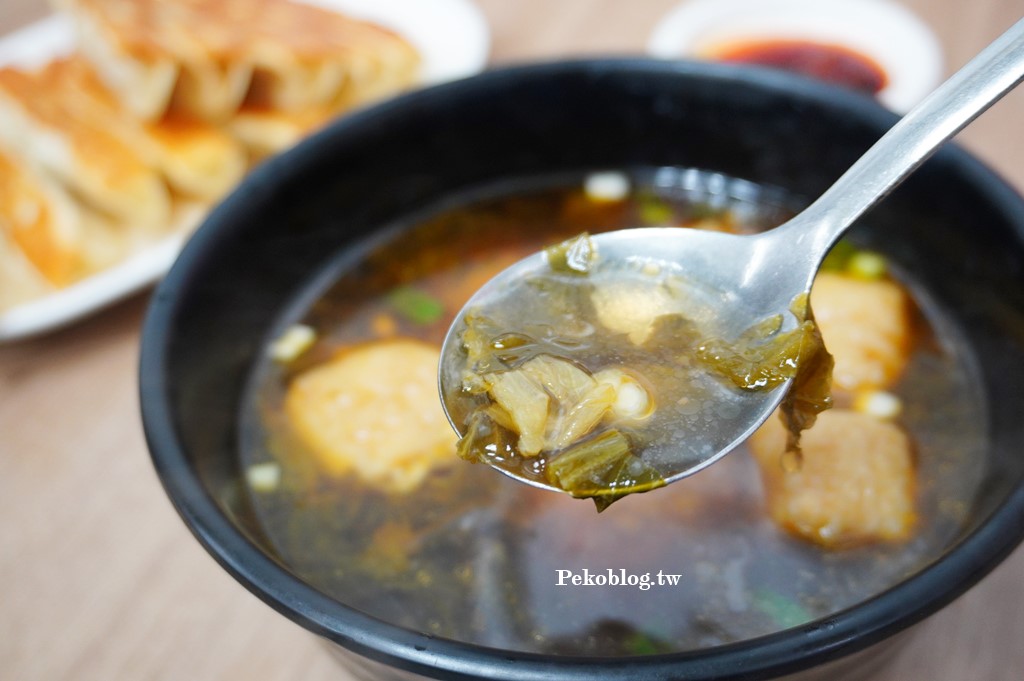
(761, 274)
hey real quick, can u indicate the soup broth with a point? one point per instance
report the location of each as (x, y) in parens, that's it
(458, 551)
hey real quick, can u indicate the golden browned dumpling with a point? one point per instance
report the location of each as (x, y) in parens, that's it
(866, 326)
(305, 56)
(265, 131)
(86, 184)
(374, 411)
(49, 238)
(163, 54)
(38, 219)
(203, 58)
(854, 485)
(55, 128)
(197, 159)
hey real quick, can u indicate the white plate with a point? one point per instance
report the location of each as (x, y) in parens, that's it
(451, 36)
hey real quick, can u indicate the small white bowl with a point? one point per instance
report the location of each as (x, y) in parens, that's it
(886, 33)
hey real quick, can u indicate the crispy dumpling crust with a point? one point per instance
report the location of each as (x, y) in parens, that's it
(37, 218)
(203, 58)
(55, 127)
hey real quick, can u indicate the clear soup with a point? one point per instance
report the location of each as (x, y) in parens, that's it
(462, 552)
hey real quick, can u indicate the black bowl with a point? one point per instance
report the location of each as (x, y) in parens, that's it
(955, 225)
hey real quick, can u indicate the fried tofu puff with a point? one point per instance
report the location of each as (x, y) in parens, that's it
(866, 326)
(374, 411)
(855, 484)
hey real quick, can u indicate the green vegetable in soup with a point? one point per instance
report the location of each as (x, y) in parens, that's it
(602, 468)
(565, 381)
(485, 441)
(573, 256)
(582, 417)
(526, 403)
(603, 363)
(549, 405)
(759, 359)
(488, 348)
(811, 392)
(763, 359)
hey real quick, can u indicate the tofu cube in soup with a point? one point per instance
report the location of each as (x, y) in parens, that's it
(866, 326)
(373, 411)
(854, 485)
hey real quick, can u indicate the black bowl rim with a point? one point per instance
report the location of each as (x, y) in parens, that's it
(784, 652)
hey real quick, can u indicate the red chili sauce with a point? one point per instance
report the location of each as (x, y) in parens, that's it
(830, 63)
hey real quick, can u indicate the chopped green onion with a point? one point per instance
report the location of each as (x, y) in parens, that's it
(655, 211)
(866, 265)
(296, 339)
(839, 256)
(606, 187)
(644, 644)
(856, 262)
(784, 611)
(263, 477)
(878, 403)
(705, 211)
(415, 305)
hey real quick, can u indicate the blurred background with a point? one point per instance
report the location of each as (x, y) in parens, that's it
(102, 581)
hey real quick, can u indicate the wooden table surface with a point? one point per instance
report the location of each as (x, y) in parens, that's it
(101, 580)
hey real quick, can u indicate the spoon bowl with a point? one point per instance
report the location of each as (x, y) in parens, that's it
(730, 270)
(755, 276)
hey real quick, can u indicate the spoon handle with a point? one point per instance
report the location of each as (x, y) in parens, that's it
(967, 94)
